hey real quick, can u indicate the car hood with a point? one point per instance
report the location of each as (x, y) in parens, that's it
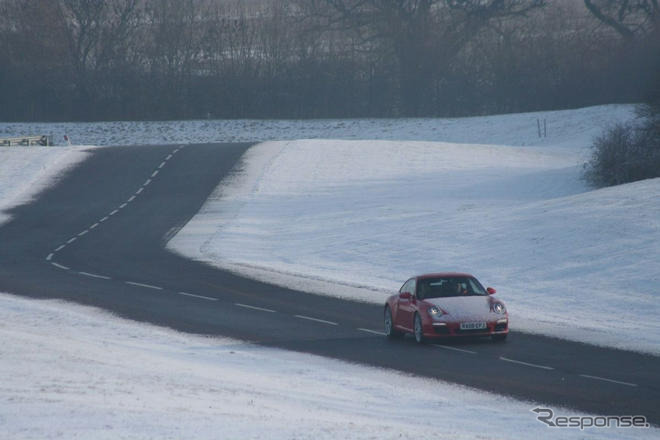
(465, 307)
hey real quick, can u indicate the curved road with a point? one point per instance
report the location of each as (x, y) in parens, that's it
(97, 237)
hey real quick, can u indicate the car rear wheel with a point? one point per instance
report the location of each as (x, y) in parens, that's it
(418, 329)
(390, 331)
(499, 338)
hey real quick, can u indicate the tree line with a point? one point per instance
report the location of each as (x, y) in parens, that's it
(185, 59)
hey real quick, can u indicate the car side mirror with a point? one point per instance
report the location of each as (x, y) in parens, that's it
(490, 290)
(405, 295)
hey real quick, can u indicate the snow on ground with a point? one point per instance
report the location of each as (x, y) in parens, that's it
(467, 130)
(69, 371)
(24, 171)
(330, 213)
(356, 218)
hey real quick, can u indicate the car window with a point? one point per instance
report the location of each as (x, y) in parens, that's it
(445, 287)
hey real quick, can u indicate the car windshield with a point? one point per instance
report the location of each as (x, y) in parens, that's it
(445, 287)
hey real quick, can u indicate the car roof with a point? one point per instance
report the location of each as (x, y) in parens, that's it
(443, 274)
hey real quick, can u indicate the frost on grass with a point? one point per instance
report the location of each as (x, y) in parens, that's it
(354, 219)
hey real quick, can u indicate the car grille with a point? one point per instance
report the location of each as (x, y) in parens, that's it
(472, 331)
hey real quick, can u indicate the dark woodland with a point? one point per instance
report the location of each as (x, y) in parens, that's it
(191, 59)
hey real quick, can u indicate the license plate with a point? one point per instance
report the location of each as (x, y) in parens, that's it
(473, 325)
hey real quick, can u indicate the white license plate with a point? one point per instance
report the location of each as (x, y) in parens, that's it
(473, 325)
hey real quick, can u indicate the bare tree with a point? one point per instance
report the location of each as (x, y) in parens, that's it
(422, 36)
(175, 30)
(630, 18)
(100, 37)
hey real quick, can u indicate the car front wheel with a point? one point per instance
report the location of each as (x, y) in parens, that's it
(390, 331)
(418, 329)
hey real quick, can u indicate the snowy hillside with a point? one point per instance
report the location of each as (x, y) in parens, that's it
(75, 372)
(356, 218)
(24, 171)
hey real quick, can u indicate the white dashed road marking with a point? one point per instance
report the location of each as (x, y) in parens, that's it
(197, 296)
(59, 266)
(609, 380)
(93, 275)
(527, 364)
(447, 347)
(309, 318)
(261, 309)
(371, 331)
(148, 286)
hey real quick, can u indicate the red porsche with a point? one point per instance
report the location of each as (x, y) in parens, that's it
(442, 305)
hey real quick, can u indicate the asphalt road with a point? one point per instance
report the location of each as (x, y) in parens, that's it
(98, 238)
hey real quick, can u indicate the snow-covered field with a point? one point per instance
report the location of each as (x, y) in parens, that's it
(345, 218)
(24, 171)
(466, 130)
(75, 372)
(356, 218)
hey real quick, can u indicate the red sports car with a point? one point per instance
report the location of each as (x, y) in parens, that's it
(445, 305)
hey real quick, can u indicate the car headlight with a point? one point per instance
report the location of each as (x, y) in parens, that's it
(434, 311)
(499, 308)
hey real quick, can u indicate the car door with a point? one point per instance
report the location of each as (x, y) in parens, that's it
(406, 309)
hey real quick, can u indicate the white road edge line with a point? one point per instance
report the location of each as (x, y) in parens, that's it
(513, 361)
(59, 266)
(95, 225)
(620, 382)
(114, 212)
(59, 248)
(83, 233)
(130, 199)
(139, 191)
(169, 156)
(447, 347)
(103, 219)
(147, 182)
(162, 164)
(148, 286)
(93, 275)
(49, 257)
(154, 174)
(261, 309)
(309, 318)
(71, 240)
(371, 331)
(197, 296)
(123, 205)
